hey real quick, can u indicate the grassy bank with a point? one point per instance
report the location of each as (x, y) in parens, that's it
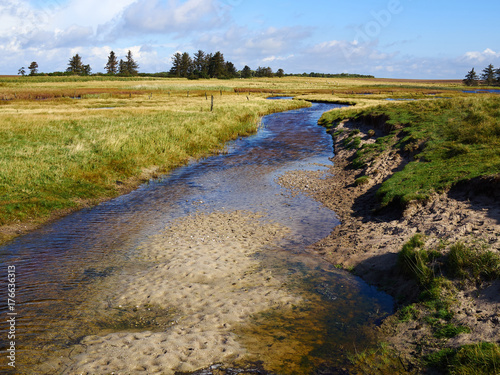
(60, 154)
(441, 144)
(438, 274)
(447, 140)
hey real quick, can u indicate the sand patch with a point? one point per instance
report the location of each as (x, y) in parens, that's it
(201, 266)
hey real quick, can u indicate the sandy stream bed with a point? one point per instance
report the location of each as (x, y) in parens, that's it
(204, 270)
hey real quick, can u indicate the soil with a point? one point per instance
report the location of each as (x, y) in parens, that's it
(367, 241)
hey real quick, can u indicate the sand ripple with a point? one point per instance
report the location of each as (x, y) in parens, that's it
(204, 269)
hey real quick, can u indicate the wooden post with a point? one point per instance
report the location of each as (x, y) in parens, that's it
(220, 92)
(206, 96)
(188, 94)
(212, 104)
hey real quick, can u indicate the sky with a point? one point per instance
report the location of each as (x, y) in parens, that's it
(423, 39)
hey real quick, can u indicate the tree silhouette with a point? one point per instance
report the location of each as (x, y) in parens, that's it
(131, 66)
(112, 65)
(176, 64)
(471, 78)
(488, 75)
(76, 66)
(33, 68)
(22, 71)
(246, 72)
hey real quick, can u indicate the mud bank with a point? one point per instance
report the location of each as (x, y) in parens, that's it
(367, 242)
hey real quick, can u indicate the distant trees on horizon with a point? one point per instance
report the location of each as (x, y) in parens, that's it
(490, 76)
(200, 65)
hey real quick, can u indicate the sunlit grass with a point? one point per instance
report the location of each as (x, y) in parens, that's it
(69, 141)
(62, 153)
(452, 140)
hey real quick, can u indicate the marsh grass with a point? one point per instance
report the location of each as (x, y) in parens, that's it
(62, 153)
(476, 359)
(451, 140)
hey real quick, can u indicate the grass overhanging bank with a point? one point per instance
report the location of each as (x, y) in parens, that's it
(448, 141)
(427, 171)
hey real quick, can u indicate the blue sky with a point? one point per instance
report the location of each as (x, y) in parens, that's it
(385, 38)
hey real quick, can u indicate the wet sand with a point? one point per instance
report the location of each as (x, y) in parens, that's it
(202, 267)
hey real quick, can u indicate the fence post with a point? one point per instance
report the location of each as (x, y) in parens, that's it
(212, 104)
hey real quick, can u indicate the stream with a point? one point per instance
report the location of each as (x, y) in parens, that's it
(202, 270)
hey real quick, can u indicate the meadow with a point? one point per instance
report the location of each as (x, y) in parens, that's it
(70, 142)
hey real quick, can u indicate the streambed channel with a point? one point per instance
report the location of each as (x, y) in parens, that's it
(203, 271)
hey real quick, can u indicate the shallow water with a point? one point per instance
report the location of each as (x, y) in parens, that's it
(482, 91)
(63, 267)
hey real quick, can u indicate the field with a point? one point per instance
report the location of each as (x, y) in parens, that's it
(69, 142)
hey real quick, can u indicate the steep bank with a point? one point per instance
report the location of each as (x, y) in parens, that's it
(369, 241)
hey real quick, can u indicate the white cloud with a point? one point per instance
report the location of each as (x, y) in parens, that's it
(173, 17)
(488, 55)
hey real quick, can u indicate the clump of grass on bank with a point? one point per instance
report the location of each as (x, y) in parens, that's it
(478, 359)
(438, 274)
(60, 154)
(451, 140)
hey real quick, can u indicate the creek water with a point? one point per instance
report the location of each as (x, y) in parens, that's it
(65, 267)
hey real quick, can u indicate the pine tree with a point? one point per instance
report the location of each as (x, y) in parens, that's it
(471, 79)
(231, 71)
(176, 64)
(75, 65)
(280, 73)
(488, 75)
(217, 66)
(200, 63)
(112, 65)
(33, 68)
(122, 68)
(186, 66)
(131, 66)
(86, 70)
(497, 76)
(246, 72)
(22, 71)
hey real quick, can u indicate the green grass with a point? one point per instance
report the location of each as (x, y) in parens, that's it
(60, 154)
(452, 140)
(363, 180)
(476, 264)
(477, 359)
(435, 289)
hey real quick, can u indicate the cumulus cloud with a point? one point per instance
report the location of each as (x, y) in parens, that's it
(154, 16)
(488, 55)
(244, 46)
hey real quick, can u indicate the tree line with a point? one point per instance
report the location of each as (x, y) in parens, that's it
(490, 76)
(201, 65)
(213, 65)
(123, 67)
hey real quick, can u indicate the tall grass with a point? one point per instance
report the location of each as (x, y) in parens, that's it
(61, 154)
(477, 359)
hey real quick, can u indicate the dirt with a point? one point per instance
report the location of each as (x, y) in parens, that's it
(367, 241)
